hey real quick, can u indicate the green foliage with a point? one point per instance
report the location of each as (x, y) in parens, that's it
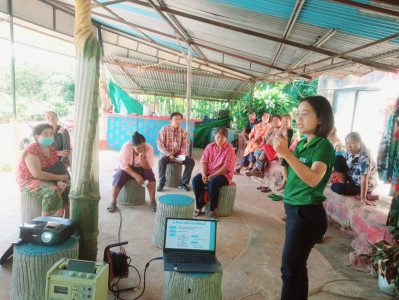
(37, 91)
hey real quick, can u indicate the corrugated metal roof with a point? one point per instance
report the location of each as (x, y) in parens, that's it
(239, 40)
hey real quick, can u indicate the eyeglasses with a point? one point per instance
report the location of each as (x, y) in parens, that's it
(303, 115)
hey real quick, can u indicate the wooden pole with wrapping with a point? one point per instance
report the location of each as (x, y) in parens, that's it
(85, 193)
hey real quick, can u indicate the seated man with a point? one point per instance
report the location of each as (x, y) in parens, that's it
(135, 162)
(172, 141)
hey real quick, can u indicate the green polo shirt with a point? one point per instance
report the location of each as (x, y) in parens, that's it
(296, 191)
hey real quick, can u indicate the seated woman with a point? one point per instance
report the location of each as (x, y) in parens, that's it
(40, 174)
(244, 136)
(136, 160)
(356, 170)
(266, 152)
(62, 141)
(339, 150)
(217, 169)
(254, 142)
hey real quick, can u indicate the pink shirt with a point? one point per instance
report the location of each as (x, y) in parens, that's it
(126, 156)
(217, 158)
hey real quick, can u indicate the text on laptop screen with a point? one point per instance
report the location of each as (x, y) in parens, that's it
(190, 235)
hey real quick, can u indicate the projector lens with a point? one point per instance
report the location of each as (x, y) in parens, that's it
(46, 237)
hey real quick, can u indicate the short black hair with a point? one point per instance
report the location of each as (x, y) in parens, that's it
(175, 114)
(275, 116)
(38, 129)
(223, 131)
(323, 110)
(51, 112)
(137, 138)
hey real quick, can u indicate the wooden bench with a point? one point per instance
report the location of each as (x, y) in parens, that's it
(170, 206)
(31, 263)
(190, 286)
(173, 174)
(131, 193)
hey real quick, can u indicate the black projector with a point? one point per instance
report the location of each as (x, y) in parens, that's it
(47, 230)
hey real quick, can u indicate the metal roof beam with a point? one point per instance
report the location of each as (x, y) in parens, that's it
(287, 31)
(369, 7)
(127, 74)
(372, 64)
(239, 90)
(391, 2)
(159, 92)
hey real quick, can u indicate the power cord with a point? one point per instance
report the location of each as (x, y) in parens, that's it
(120, 267)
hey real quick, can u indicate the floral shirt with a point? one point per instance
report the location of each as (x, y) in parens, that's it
(361, 164)
(217, 158)
(23, 173)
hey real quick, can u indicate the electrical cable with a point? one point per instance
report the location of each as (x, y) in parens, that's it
(120, 266)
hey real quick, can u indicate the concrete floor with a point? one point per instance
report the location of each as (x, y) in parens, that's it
(249, 244)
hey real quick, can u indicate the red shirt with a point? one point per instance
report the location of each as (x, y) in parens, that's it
(23, 172)
(217, 158)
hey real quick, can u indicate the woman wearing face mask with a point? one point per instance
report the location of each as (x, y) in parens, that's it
(40, 174)
(356, 170)
(309, 169)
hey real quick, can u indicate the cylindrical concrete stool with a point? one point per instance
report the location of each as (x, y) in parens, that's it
(173, 174)
(131, 193)
(190, 286)
(227, 196)
(31, 207)
(31, 263)
(170, 206)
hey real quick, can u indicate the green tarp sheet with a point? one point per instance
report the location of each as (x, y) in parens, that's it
(122, 102)
(202, 132)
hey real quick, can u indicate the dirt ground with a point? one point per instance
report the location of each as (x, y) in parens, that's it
(249, 244)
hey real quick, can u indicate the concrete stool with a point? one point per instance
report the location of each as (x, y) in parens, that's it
(31, 207)
(170, 206)
(131, 194)
(173, 174)
(227, 196)
(31, 263)
(190, 286)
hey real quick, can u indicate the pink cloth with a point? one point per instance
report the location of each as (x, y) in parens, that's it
(126, 156)
(217, 158)
(172, 141)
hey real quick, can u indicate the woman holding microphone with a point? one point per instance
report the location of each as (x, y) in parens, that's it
(309, 169)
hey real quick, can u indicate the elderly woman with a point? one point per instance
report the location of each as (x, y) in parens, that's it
(136, 161)
(217, 169)
(254, 142)
(356, 170)
(41, 175)
(62, 141)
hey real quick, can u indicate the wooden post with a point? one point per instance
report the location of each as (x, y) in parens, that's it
(31, 207)
(173, 174)
(188, 96)
(170, 206)
(132, 193)
(31, 263)
(190, 286)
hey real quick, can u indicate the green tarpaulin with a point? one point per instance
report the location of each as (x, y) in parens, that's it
(202, 132)
(122, 102)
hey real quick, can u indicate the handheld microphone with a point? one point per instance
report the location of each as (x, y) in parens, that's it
(289, 134)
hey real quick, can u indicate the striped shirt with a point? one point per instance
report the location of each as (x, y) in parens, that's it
(172, 141)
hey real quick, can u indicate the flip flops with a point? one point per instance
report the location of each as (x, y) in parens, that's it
(153, 206)
(111, 207)
(261, 187)
(196, 212)
(275, 197)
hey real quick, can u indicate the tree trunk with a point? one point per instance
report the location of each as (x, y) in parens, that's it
(170, 206)
(192, 286)
(31, 263)
(131, 194)
(85, 193)
(227, 196)
(31, 207)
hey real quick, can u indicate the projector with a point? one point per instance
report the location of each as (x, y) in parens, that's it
(47, 230)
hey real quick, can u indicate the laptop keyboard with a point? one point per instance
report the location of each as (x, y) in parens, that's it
(190, 259)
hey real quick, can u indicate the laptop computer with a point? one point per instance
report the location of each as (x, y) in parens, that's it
(189, 246)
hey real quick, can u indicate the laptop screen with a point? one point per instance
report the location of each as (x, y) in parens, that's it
(187, 234)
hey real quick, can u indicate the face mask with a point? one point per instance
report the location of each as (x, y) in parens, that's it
(47, 141)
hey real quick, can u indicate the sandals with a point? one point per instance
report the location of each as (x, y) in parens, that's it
(275, 197)
(111, 207)
(197, 212)
(153, 206)
(265, 190)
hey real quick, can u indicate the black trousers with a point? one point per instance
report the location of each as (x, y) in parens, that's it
(347, 188)
(214, 186)
(305, 225)
(164, 161)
